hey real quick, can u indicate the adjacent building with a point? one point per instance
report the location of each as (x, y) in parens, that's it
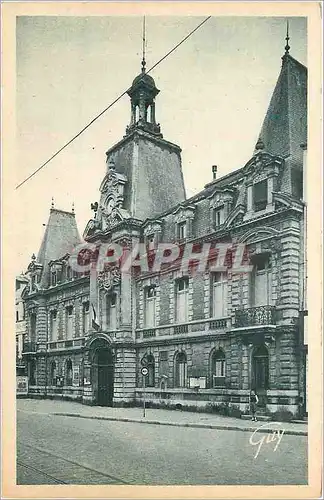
(207, 336)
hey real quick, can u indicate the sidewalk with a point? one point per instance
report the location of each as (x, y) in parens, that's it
(176, 418)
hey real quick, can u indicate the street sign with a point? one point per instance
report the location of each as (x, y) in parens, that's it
(144, 371)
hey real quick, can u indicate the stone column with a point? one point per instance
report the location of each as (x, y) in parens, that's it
(94, 292)
(249, 198)
(124, 373)
(153, 113)
(270, 193)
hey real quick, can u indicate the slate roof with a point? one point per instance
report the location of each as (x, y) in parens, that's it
(285, 125)
(61, 236)
(284, 128)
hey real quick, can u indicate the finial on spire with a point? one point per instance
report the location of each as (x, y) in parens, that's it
(144, 42)
(259, 145)
(52, 204)
(287, 48)
(73, 207)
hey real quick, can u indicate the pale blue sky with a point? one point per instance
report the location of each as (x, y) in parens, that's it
(215, 90)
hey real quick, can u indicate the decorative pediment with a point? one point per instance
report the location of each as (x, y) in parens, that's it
(113, 180)
(235, 217)
(184, 212)
(262, 165)
(221, 196)
(152, 226)
(283, 200)
(113, 217)
(259, 234)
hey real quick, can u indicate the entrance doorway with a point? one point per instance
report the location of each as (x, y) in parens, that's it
(103, 367)
(260, 366)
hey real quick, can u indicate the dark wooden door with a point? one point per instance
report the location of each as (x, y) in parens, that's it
(261, 375)
(105, 377)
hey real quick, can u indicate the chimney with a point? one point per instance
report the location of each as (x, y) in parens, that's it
(214, 170)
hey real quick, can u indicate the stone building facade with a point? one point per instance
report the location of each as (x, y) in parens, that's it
(206, 334)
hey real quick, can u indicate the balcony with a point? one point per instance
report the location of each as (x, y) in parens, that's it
(195, 327)
(29, 347)
(255, 316)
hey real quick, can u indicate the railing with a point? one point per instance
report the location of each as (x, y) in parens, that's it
(64, 344)
(149, 333)
(29, 347)
(255, 316)
(181, 329)
(199, 326)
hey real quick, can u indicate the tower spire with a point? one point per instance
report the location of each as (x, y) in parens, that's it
(144, 42)
(287, 47)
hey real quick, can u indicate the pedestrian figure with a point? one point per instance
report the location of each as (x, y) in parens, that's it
(253, 404)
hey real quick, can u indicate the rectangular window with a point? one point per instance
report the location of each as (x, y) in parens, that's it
(260, 195)
(219, 295)
(220, 368)
(33, 327)
(182, 300)
(218, 216)
(261, 283)
(69, 322)
(17, 315)
(150, 297)
(53, 278)
(54, 325)
(163, 363)
(68, 273)
(112, 311)
(86, 317)
(182, 230)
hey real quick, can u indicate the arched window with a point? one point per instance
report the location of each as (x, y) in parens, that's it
(149, 114)
(68, 372)
(218, 368)
(32, 372)
(136, 113)
(180, 370)
(151, 371)
(260, 368)
(53, 373)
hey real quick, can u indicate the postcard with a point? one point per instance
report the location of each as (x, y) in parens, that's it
(161, 239)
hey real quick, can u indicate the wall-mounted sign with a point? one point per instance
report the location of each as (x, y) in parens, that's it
(76, 376)
(195, 382)
(22, 384)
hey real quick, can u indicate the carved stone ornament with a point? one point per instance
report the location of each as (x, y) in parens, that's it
(111, 218)
(184, 213)
(109, 278)
(152, 227)
(262, 165)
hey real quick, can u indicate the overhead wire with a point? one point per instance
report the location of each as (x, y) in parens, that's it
(110, 105)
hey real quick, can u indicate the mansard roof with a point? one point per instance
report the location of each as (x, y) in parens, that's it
(284, 128)
(283, 132)
(61, 236)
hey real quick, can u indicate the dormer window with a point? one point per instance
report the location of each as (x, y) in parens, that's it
(54, 278)
(151, 241)
(260, 195)
(182, 230)
(219, 216)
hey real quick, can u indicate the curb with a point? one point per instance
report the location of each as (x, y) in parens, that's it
(185, 424)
